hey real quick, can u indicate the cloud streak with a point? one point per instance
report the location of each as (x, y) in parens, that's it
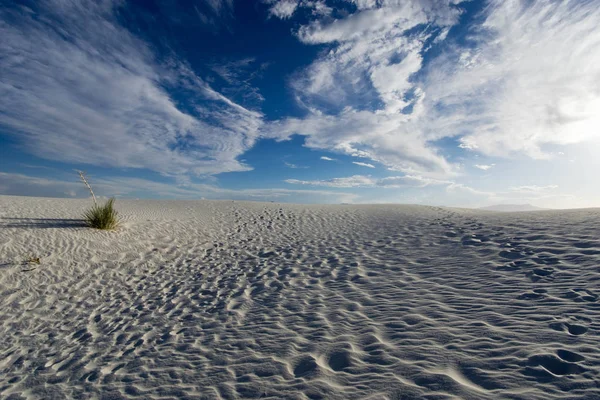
(362, 164)
(127, 187)
(367, 181)
(78, 87)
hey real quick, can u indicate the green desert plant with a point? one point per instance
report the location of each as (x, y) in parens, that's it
(102, 216)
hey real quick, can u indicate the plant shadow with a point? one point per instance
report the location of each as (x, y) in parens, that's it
(37, 223)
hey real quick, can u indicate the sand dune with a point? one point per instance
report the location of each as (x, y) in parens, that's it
(231, 300)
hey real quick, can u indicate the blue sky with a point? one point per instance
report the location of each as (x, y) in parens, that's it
(460, 103)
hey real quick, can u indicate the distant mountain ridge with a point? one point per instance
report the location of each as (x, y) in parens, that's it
(513, 208)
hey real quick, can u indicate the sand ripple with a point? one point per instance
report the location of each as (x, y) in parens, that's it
(231, 300)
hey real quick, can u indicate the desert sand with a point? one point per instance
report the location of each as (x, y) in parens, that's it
(232, 300)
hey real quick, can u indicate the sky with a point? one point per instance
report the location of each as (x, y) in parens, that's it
(441, 102)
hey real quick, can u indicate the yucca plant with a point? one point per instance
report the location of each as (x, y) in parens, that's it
(102, 217)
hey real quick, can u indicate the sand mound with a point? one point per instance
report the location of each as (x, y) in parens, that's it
(231, 300)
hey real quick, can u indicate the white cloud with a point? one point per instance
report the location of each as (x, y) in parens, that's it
(294, 166)
(362, 181)
(348, 182)
(66, 185)
(532, 189)
(527, 83)
(484, 166)
(77, 87)
(126, 187)
(379, 137)
(412, 180)
(327, 158)
(362, 164)
(318, 7)
(466, 196)
(542, 196)
(379, 19)
(361, 23)
(464, 144)
(531, 80)
(283, 9)
(360, 96)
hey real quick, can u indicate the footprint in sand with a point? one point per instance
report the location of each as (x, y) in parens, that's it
(569, 356)
(541, 273)
(511, 254)
(306, 366)
(575, 326)
(339, 360)
(581, 295)
(546, 260)
(533, 295)
(542, 364)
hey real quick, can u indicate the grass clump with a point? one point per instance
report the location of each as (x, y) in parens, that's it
(102, 216)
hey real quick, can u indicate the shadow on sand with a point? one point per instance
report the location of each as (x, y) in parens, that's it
(41, 223)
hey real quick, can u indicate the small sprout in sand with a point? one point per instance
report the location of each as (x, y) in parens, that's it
(32, 260)
(102, 217)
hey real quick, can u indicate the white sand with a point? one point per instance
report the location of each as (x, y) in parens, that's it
(210, 300)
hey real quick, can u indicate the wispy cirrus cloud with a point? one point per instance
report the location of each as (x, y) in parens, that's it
(367, 135)
(530, 79)
(358, 93)
(220, 7)
(213, 13)
(239, 76)
(545, 196)
(366, 181)
(525, 78)
(362, 164)
(294, 166)
(533, 189)
(78, 87)
(379, 18)
(128, 187)
(346, 182)
(393, 83)
(284, 8)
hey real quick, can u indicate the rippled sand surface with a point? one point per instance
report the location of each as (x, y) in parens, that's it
(233, 300)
